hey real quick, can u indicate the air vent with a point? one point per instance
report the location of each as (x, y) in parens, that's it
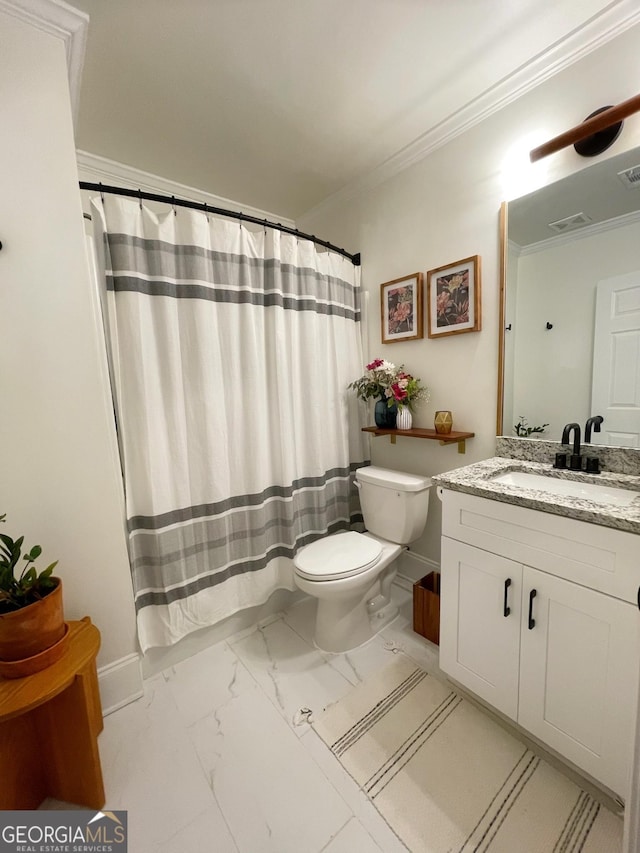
(570, 223)
(630, 177)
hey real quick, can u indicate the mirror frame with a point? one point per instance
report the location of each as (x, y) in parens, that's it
(504, 216)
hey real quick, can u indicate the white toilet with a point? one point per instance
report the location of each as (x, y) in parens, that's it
(351, 573)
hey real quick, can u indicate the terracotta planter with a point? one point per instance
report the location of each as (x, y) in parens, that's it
(26, 632)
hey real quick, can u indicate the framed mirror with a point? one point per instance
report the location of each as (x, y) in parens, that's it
(570, 305)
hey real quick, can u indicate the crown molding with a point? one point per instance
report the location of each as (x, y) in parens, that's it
(580, 233)
(64, 22)
(107, 171)
(618, 17)
(515, 249)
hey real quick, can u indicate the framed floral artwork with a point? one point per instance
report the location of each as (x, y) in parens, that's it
(453, 298)
(401, 309)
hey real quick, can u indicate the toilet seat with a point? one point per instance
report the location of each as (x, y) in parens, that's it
(341, 555)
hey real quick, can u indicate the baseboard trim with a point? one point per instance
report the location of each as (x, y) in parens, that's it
(404, 582)
(120, 683)
(414, 566)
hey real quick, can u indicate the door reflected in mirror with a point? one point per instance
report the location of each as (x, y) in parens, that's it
(570, 336)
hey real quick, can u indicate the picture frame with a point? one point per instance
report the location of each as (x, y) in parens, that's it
(401, 309)
(453, 298)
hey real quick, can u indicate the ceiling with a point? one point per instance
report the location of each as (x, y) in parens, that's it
(279, 104)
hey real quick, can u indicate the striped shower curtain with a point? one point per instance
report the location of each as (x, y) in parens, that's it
(230, 354)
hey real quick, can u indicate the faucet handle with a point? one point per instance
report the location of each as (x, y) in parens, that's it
(593, 465)
(561, 460)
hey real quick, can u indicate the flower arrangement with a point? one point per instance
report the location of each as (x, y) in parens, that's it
(383, 379)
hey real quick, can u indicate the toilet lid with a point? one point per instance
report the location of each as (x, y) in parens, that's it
(338, 556)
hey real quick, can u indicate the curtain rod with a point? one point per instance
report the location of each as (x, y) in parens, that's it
(218, 211)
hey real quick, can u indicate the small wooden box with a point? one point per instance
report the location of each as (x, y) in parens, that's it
(426, 607)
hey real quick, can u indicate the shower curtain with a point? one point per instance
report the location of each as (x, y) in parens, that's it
(230, 354)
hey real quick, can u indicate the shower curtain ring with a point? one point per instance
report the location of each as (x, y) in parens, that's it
(173, 205)
(140, 197)
(206, 212)
(101, 193)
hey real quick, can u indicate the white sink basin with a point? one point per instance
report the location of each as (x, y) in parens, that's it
(568, 488)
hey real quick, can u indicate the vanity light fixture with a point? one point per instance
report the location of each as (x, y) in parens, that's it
(604, 119)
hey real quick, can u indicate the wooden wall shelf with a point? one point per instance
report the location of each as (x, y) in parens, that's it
(458, 438)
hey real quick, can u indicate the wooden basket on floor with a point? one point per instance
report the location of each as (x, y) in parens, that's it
(426, 607)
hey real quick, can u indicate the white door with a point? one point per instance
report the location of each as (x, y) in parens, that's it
(615, 392)
(480, 597)
(578, 674)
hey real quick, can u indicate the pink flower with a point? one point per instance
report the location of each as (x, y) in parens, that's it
(399, 393)
(374, 364)
(403, 310)
(443, 302)
(463, 316)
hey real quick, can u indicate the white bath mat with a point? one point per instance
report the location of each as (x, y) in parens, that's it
(448, 779)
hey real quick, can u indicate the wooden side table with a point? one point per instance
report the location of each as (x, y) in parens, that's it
(49, 727)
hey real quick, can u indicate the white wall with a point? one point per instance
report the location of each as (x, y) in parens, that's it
(445, 208)
(59, 480)
(553, 368)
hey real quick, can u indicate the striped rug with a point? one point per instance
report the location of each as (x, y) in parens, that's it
(448, 779)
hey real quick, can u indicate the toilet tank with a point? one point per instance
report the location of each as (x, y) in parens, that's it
(394, 504)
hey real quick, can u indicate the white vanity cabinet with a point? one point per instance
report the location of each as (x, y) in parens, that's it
(539, 618)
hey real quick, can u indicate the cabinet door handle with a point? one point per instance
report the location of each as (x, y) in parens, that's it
(506, 609)
(532, 621)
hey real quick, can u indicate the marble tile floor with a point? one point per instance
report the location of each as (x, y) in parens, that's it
(216, 757)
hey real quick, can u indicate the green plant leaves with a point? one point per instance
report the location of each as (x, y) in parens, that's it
(31, 585)
(29, 577)
(47, 572)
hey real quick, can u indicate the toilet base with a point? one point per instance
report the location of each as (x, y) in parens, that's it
(344, 628)
(382, 617)
(341, 625)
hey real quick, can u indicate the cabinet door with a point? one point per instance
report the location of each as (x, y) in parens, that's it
(480, 599)
(578, 675)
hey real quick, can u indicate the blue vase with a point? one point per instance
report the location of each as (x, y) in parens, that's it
(385, 416)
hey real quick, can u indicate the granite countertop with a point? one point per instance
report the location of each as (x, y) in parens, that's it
(476, 480)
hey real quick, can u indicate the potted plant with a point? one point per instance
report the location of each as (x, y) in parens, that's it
(32, 626)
